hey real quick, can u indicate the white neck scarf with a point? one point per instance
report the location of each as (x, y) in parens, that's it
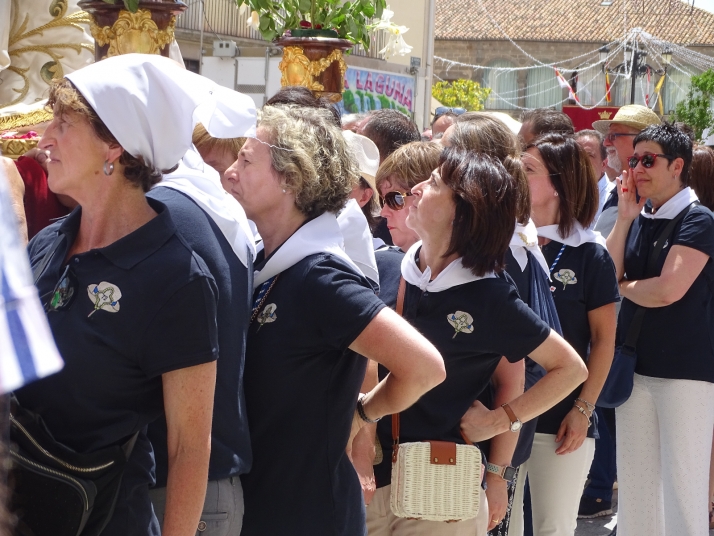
(577, 237)
(525, 238)
(358, 239)
(202, 183)
(674, 206)
(321, 235)
(453, 275)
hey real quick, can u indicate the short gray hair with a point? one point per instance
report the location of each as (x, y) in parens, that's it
(311, 157)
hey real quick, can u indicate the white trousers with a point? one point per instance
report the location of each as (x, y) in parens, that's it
(556, 483)
(664, 441)
(382, 522)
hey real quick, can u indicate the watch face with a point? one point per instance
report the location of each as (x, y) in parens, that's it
(509, 473)
(515, 426)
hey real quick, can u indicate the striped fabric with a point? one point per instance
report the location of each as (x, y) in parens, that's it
(27, 349)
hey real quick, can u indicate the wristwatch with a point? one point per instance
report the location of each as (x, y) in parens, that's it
(506, 472)
(515, 423)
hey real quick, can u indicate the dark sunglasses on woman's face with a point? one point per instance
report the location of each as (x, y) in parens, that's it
(395, 200)
(648, 160)
(441, 110)
(63, 293)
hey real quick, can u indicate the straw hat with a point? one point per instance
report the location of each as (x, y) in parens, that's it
(366, 154)
(632, 115)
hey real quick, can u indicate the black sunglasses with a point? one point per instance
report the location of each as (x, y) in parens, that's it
(613, 136)
(64, 292)
(395, 200)
(648, 160)
(441, 110)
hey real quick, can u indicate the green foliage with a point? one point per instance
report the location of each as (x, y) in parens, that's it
(130, 5)
(349, 19)
(461, 94)
(696, 109)
(348, 101)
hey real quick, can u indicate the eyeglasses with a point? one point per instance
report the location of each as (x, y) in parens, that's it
(441, 110)
(614, 135)
(63, 294)
(648, 160)
(395, 200)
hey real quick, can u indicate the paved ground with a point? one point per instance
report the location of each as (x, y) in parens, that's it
(601, 526)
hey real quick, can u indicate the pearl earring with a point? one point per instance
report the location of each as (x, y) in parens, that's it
(556, 194)
(285, 191)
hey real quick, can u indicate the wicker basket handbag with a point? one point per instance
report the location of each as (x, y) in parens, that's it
(434, 480)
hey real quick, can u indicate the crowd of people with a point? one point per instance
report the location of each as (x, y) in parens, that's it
(257, 306)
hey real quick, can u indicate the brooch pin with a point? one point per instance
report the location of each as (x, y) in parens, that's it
(104, 296)
(268, 315)
(461, 322)
(567, 277)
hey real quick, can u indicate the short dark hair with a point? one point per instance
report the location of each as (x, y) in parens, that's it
(445, 114)
(545, 121)
(301, 96)
(486, 198)
(674, 143)
(688, 130)
(573, 178)
(701, 175)
(389, 130)
(591, 133)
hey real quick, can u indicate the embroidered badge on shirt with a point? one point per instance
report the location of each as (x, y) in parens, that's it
(461, 322)
(268, 315)
(104, 296)
(567, 277)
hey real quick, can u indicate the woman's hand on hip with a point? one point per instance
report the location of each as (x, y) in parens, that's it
(480, 423)
(573, 431)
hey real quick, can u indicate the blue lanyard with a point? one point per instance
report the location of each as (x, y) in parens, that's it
(557, 258)
(262, 291)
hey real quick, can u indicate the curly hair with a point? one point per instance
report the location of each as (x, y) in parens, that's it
(311, 156)
(485, 134)
(64, 96)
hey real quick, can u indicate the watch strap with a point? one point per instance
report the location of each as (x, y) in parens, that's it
(511, 416)
(506, 472)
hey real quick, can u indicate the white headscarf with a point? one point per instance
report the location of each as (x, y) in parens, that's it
(321, 235)
(358, 242)
(525, 238)
(151, 105)
(453, 275)
(577, 237)
(202, 183)
(674, 206)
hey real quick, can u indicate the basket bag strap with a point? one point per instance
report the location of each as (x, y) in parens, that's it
(395, 416)
(633, 333)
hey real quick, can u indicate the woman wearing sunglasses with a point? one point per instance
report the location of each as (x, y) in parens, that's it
(564, 200)
(465, 214)
(132, 308)
(664, 430)
(311, 306)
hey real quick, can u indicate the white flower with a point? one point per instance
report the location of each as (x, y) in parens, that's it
(254, 21)
(243, 9)
(395, 45)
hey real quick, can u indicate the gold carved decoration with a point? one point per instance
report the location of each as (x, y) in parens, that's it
(298, 70)
(133, 32)
(605, 115)
(16, 148)
(53, 68)
(16, 121)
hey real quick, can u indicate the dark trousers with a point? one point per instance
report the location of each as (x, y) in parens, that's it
(603, 471)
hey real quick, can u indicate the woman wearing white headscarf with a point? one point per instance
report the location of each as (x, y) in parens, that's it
(311, 305)
(131, 306)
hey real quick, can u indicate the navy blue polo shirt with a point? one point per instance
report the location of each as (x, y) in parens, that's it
(676, 341)
(230, 440)
(301, 386)
(583, 280)
(141, 307)
(500, 325)
(389, 266)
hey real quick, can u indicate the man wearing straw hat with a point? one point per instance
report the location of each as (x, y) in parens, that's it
(619, 133)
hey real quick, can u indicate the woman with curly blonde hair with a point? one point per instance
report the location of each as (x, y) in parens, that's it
(311, 304)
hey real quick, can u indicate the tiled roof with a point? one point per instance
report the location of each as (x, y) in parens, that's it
(572, 20)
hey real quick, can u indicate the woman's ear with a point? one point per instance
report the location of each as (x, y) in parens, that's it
(114, 152)
(677, 166)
